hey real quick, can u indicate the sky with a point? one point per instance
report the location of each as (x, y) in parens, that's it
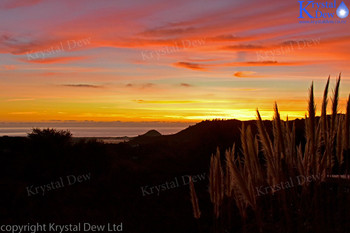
(169, 61)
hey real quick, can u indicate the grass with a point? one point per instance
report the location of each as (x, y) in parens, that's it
(278, 186)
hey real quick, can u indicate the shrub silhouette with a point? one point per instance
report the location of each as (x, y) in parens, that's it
(50, 136)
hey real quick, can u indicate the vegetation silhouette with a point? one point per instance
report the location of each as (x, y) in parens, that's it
(276, 185)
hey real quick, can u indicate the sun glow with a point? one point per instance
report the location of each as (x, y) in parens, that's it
(122, 68)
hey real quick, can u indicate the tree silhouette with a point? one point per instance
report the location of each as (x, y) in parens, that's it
(50, 137)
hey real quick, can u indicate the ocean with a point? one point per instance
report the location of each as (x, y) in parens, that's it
(93, 131)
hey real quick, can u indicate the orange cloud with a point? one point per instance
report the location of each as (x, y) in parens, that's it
(265, 63)
(205, 67)
(9, 67)
(164, 101)
(245, 74)
(188, 65)
(51, 60)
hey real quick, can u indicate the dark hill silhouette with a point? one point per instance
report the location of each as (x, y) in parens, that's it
(146, 137)
(224, 129)
(193, 145)
(211, 134)
(212, 130)
(152, 133)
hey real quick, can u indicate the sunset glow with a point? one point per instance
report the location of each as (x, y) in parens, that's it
(164, 60)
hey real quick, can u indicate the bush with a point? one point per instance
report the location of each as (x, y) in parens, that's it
(63, 136)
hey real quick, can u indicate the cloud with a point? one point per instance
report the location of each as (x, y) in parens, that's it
(14, 43)
(243, 47)
(227, 37)
(245, 74)
(60, 60)
(204, 59)
(246, 89)
(20, 99)
(204, 67)
(22, 113)
(164, 101)
(147, 85)
(46, 74)
(186, 85)
(9, 67)
(82, 85)
(189, 65)
(271, 63)
(10, 4)
(163, 31)
(139, 26)
(263, 63)
(35, 46)
(140, 86)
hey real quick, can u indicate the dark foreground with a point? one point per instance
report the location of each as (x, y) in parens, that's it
(141, 184)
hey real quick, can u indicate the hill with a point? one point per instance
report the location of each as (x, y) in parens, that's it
(152, 133)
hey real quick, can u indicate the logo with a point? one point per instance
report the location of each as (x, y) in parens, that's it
(324, 10)
(342, 11)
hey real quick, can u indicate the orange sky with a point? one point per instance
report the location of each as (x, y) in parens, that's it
(164, 60)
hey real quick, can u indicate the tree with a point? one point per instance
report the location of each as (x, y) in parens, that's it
(50, 136)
